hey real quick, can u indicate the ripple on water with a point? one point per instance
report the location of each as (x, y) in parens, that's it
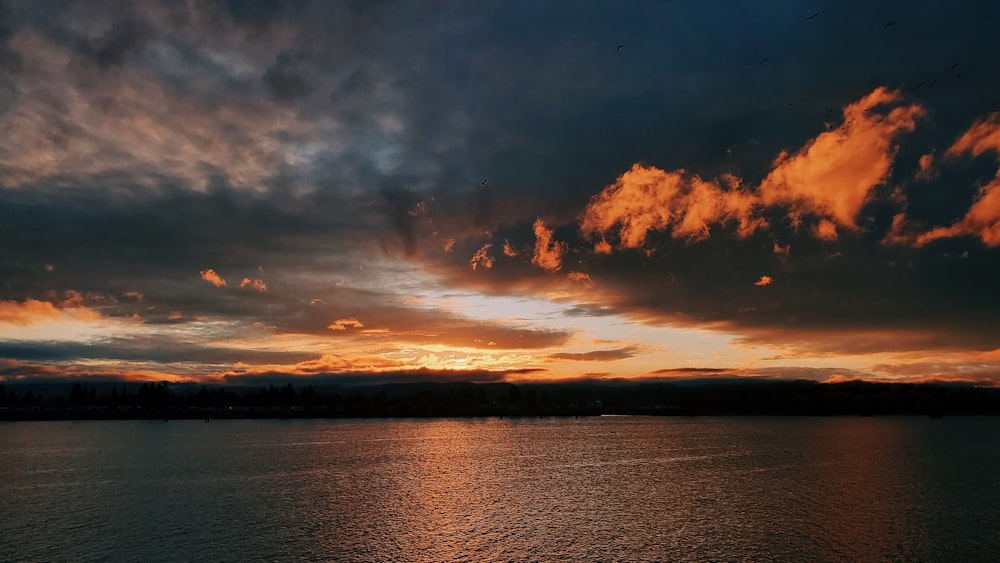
(595, 489)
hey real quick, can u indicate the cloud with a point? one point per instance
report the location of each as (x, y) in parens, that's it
(983, 218)
(137, 123)
(255, 283)
(403, 207)
(581, 277)
(548, 253)
(121, 39)
(692, 371)
(763, 280)
(825, 230)
(31, 311)
(482, 259)
(984, 135)
(927, 171)
(344, 324)
(832, 176)
(285, 79)
(646, 198)
(782, 250)
(770, 373)
(213, 278)
(448, 245)
(508, 250)
(597, 355)
(312, 138)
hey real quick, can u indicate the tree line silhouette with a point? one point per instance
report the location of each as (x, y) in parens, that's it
(686, 397)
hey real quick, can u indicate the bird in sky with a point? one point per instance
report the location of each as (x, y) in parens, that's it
(952, 67)
(619, 48)
(764, 60)
(893, 22)
(484, 181)
(813, 16)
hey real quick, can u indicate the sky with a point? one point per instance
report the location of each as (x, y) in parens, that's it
(238, 190)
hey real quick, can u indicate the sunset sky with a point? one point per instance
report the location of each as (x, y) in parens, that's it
(232, 190)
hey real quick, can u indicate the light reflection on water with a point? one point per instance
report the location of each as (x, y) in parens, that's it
(592, 489)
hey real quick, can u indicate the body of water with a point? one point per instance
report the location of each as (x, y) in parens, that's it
(589, 489)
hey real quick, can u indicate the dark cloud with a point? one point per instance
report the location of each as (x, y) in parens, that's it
(422, 376)
(597, 355)
(403, 211)
(358, 84)
(256, 12)
(144, 350)
(285, 79)
(188, 157)
(118, 42)
(786, 373)
(10, 60)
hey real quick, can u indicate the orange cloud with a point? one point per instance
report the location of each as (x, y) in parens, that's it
(984, 135)
(646, 198)
(211, 277)
(834, 173)
(783, 250)
(839, 378)
(830, 177)
(764, 280)
(548, 253)
(256, 283)
(579, 277)
(30, 311)
(508, 250)
(344, 324)
(448, 245)
(926, 171)
(482, 258)
(175, 315)
(27, 312)
(825, 229)
(983, 218)
(901, 231)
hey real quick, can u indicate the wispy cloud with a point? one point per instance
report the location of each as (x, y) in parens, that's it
(597, 355)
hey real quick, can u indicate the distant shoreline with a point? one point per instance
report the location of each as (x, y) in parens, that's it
(20, 415)
(163, 401)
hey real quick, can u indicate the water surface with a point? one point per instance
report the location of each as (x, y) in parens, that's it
(589, 489)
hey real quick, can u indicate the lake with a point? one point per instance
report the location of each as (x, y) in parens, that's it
(554, 489)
